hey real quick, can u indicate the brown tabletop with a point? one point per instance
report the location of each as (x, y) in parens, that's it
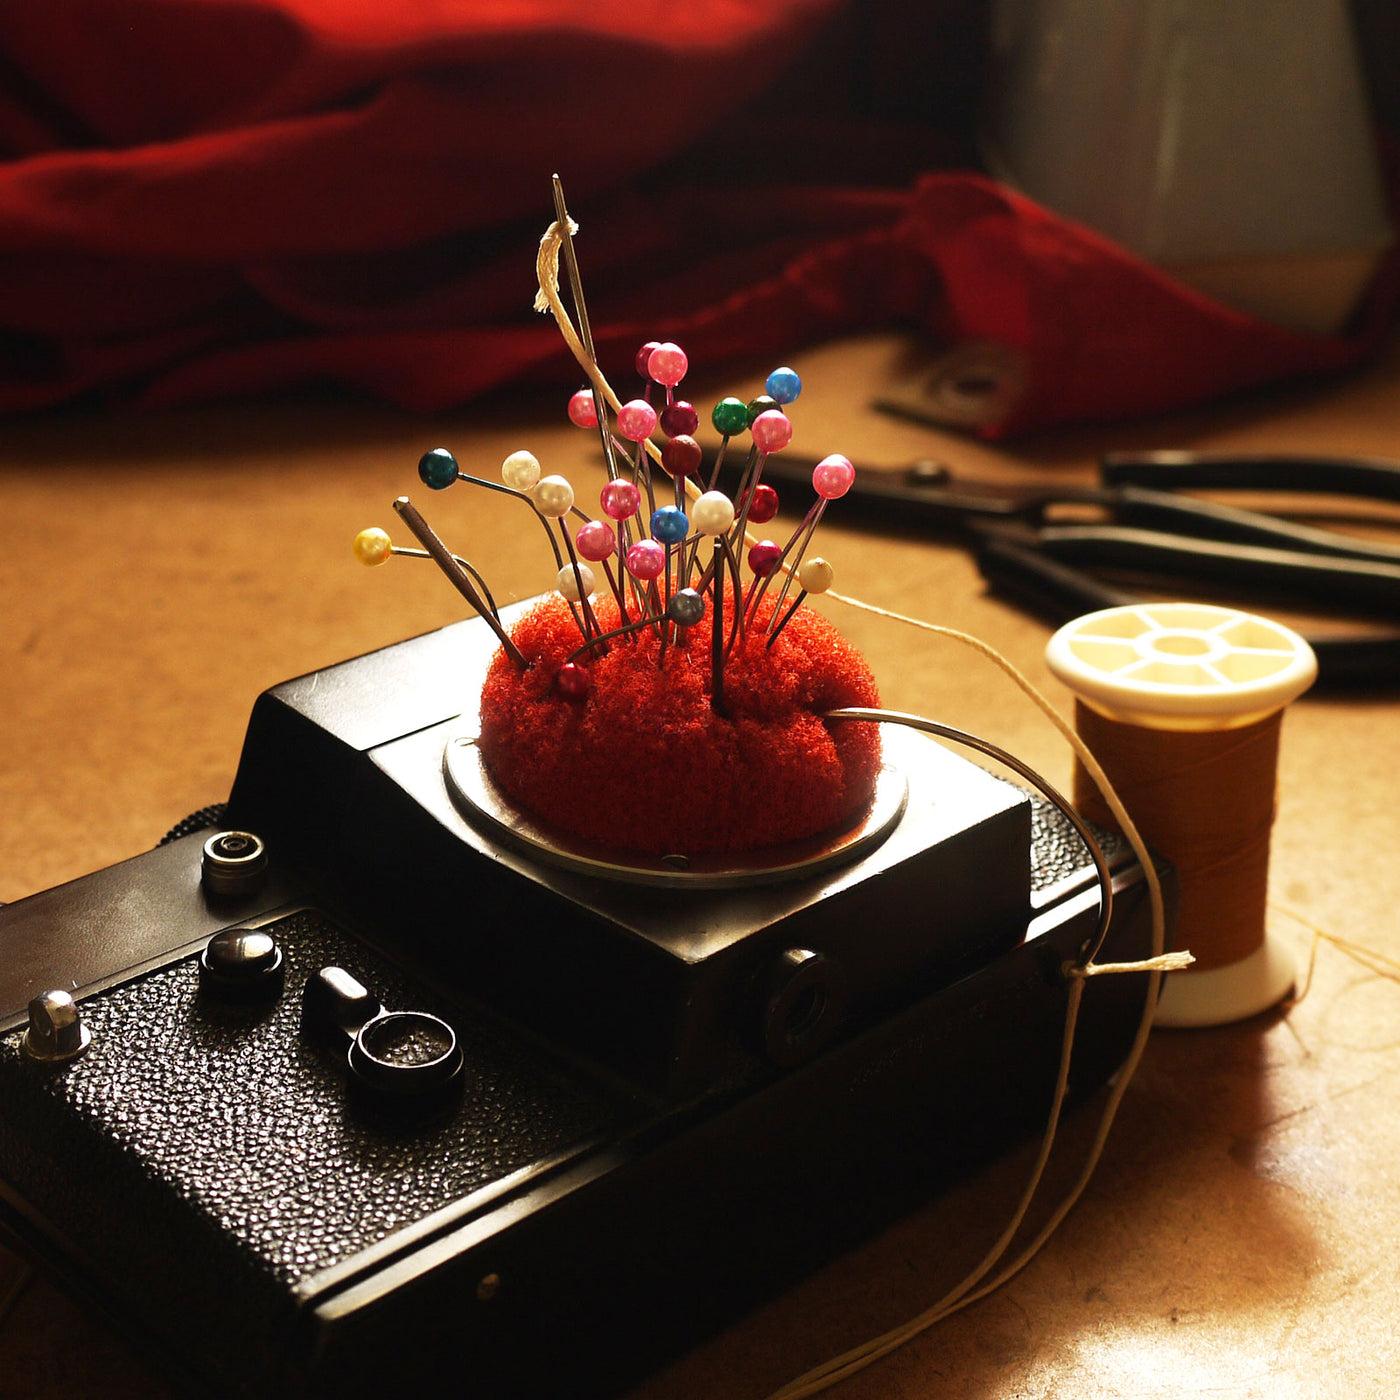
(161, 569)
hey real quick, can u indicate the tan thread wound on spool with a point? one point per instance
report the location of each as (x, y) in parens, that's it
(1205, 800)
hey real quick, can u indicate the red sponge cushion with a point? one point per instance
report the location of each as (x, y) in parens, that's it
(643, 762)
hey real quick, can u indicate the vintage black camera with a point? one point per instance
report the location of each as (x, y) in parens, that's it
(383, 1087)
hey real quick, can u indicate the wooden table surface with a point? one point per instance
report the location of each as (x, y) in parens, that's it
(1238, 1240)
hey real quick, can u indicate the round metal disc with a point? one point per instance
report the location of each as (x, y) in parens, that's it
(482, 802)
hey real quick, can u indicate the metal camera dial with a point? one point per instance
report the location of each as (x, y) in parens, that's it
(406, 1054)
(56, 1031)
(233, 863)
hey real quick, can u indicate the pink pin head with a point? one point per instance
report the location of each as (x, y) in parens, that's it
(667, 364)
(583, 409)
(595, 540)
(619, 499)
(764, 557)
(636, 420)
(832, 476)
(771, 430)
(681, 456)
(764, 505)
(646, 559)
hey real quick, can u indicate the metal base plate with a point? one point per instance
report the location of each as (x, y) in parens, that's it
(480, 800)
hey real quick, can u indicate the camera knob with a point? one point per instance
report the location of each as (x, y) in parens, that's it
(407, 1056)
(56, 1032)
(333, 1001)
(233, 863)
(242, 964)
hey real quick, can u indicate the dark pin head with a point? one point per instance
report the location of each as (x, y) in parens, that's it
(437, 469)
(686, 607)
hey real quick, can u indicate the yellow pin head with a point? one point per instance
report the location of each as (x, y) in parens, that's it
(372, 546)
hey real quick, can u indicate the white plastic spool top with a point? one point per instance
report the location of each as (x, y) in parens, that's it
(1192, 666)
(1181, 665)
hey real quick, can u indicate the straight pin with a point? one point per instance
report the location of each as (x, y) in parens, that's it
(717, 626)
(373, 546)
(458, 577)
(815, 576)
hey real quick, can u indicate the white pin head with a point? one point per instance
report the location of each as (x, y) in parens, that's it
(569, 579)
(521, 470)
(553, 496)
(815, 575)
(712, 513)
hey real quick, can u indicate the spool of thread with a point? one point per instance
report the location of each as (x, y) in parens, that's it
(1182, 704)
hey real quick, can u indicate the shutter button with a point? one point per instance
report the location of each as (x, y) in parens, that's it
(242, 964)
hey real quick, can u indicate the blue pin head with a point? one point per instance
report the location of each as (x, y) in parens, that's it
(783, 385)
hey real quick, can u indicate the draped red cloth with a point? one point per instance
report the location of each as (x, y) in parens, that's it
(201, 198)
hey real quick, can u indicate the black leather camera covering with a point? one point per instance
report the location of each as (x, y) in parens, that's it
(228, 1135)
(206, 1168)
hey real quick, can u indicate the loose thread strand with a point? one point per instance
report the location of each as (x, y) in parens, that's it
(1372, 959)
(967, 1290)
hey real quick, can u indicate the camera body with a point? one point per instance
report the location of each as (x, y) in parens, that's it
(600, 1106)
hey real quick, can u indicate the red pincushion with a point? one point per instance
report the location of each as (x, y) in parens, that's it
(644, 764)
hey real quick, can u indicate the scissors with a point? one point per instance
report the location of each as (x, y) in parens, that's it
(1041, 545)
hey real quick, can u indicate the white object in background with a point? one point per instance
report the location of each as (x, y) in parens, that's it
(1230, 143)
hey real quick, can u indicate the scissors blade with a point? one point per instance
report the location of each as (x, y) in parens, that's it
(926, 494)
(1161, 510)
(923, 493)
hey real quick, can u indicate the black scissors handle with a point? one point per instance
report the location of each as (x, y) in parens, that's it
(1017, 571)
(1371, 478)
(1354, 584)
(1057, 593)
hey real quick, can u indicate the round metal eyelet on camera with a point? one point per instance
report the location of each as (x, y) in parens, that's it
(56, 1032)
(242, 964)
(233, 863)
(806, 999)
(406, 1054)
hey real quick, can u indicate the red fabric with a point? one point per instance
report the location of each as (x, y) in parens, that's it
(211, 197)
(644, 763)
